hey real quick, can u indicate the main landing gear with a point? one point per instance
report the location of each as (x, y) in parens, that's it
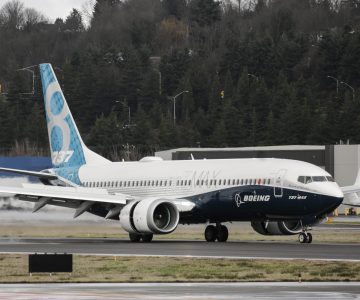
(135, 238)
(218, 232)
(305, 237)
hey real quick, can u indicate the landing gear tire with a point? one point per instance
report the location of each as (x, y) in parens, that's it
(302, 238)
(134, 237)
(222, 233)
(309, 238)
(210, 233)
(305, 238)
(147, 238)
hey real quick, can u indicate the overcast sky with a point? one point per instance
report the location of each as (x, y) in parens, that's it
(52, 8)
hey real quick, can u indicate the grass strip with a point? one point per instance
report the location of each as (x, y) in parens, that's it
(14, 269)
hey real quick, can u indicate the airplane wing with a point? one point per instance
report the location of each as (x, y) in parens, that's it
(79, 198)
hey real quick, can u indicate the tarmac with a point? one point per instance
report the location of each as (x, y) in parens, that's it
(189, 291)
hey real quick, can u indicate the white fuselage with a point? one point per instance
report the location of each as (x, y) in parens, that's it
(177, 179)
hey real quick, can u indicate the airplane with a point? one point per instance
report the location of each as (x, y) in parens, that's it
(152, 196)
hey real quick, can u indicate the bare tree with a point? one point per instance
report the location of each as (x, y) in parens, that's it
(87, 10)
(33, 17)
(12, 15)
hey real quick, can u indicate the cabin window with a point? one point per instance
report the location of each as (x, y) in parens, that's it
(211, 182)
(202, 182)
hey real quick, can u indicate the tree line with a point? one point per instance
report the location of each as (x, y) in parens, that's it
(255, 72)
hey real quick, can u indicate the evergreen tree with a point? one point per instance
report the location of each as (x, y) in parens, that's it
(205, 12)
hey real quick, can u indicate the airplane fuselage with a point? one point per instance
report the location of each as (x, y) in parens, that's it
(221, 190)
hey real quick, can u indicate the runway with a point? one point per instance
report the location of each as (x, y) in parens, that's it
(256, 290)
(180, 248)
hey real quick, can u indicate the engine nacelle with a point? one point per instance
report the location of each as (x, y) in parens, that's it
(157, 216)
(277, 227)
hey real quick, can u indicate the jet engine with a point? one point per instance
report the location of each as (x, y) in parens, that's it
(158, 216)
(277, 227)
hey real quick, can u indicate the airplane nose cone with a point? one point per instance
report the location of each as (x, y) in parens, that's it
(336, 192)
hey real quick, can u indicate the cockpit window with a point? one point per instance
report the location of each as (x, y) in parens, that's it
(301, 179)
(305, 179)
(329, 178)
(319, 178)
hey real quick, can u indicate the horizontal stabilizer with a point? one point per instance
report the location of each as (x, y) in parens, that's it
(30, 173)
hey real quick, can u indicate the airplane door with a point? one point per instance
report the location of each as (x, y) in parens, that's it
(278, 186)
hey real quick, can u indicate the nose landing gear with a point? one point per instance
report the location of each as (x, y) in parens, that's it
(218, 232)
(305, 237)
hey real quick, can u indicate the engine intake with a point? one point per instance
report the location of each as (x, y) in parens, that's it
(157, 216)
(277, 228)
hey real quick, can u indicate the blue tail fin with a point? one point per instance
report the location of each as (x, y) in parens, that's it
(66, 146)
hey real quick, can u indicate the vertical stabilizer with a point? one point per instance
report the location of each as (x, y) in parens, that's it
(66, 146)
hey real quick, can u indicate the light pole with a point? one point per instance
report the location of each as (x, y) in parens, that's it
(174, 99)
(337, 83)
(33, 78)
(349, 86)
